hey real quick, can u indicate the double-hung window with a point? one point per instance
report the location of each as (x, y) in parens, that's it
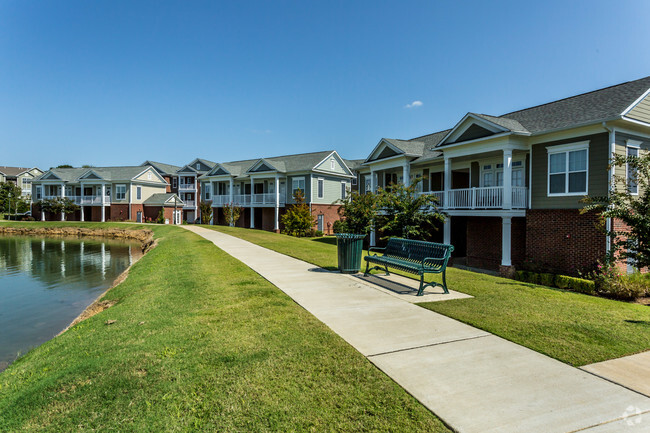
(138, 193)
(568, 169)
(630, 171)
(120, 192)
(343, 190)
(321, 187)
(208, 190)
(297, 183)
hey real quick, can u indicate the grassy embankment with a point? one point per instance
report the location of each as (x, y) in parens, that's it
(201, 343)
(573, 328)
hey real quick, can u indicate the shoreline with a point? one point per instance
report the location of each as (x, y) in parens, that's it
(147, 243)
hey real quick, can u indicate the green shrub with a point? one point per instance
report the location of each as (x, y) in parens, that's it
(520, 275)
(532, 277)
(575, 284)
(318, 233)
(340, 226)
(547, 280)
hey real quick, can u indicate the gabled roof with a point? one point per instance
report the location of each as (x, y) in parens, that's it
(109, 174)
(13, 171)
(264, 164)
(161, 167)
(164, 199)
(188, 168)
(388, 147)
(591, 107)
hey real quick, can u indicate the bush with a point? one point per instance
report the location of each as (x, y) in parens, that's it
(318, 233)
(547, 280)
(610, 282)
(575, 284)
(340, 226)
(520, 275)
(28, 218)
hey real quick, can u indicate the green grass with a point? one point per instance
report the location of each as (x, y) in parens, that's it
(220, 349)
(573, 328)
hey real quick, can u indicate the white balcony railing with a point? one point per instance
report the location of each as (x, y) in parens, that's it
(187, 187)
(267, 199)
(439, 194)
(482, 198)
(87, 200)
(189, 203)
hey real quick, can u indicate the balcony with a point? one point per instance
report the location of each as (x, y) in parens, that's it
(187, 187)
(189, 204)
(87, 200)
(482, 198)
(246, 200)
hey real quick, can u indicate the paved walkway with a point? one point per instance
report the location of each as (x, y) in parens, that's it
(473, 380)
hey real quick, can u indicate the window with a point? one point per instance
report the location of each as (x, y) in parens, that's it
(174, 182)
(517, 177)
(368, 184)
(38, 193)
(343, 190)
(149, 175)
(297, 183)
(120, 192)
(567, 169)
(488, 178)
(198, 166)
(321, 187)
(138, 192)
(354, 180)
(208, 190)
(332, 164)
(26, 182)
(632, 184)
(108, 191)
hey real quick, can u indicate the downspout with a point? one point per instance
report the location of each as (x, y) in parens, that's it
(130, 200)
(610, 180)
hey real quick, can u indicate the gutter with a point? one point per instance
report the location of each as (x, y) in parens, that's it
(610, 179)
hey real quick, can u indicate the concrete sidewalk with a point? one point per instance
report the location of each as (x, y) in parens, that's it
(473, 380)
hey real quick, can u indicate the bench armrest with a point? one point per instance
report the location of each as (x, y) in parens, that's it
(441, 260)
(375, 249)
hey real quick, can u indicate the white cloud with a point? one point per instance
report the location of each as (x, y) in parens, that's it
(414, 104)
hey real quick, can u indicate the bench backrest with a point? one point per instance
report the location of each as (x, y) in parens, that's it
(416, 251)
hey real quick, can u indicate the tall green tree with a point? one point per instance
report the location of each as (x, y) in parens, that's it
(631, 208)
(298, 220)
(11, 200)
(408, 213)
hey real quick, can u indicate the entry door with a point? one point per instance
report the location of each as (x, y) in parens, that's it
(321, 219)
(138, 217)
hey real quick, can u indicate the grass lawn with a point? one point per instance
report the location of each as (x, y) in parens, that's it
(571, 327)
(201, 343)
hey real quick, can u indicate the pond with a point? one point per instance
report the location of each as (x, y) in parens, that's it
(46, 283)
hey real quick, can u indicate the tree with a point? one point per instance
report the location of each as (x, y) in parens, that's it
(408, 213)
(632, 209)
(232, 212)
(58, 205)
(358, 212)
(11, 200)
(298, 220)
(206, 211)
(64, 166)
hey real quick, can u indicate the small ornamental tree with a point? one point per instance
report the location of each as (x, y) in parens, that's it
(58, 205)
(358, 212)
(632, 209)
(298, 220)
(231, 213)
(206, 211)
(408, 213)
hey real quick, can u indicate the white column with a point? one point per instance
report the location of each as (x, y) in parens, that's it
(277, 203)
(197, 198)
(252, 208)
(446, 231)
(506, 241)
(406, 173)
(231, 196)
(62, 194)
(81, 201)
(507, 178)
(447, 183)
(131, 201)
(373, 180)
(102, 202)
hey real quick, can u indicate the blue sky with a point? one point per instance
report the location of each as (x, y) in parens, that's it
(119, 82)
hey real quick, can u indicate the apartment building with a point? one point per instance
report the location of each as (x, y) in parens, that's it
(21, 177)
(134, 193)
(512, 184)
(264, 187)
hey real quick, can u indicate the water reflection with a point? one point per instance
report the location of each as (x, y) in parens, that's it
(46, 283)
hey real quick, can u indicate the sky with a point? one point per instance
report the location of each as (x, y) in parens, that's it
(120, 82)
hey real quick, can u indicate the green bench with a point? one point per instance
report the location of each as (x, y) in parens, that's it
(416, 257)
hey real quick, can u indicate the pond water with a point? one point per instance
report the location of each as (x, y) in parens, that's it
(46, 283)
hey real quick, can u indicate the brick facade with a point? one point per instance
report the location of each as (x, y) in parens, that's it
(330, 214)
(484, 235)
(563, 241)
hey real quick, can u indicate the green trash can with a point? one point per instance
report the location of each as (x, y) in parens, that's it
(350, 248)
